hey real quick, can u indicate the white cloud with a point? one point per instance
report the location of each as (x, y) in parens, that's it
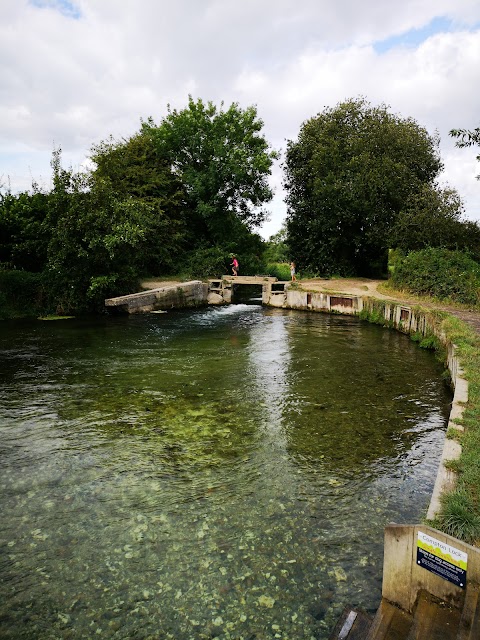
(75, 72)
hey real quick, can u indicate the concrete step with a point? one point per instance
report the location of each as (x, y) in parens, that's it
(390, 623)
(352, 625)
(434, 620)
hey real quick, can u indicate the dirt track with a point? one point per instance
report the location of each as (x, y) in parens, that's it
(354, 286)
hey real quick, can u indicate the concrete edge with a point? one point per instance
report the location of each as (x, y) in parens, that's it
(446, 478)
(122, 300)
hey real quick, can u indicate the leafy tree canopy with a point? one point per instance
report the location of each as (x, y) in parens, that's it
(432, 217)
(96, 238)
(277, 249)
(23, 234)
(349, 174)
(223, 161)
(133, 170)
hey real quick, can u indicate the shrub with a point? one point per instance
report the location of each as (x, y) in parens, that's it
(21, 294)
(446, 275)
(280, 270)
(207, 263)
(459, 517)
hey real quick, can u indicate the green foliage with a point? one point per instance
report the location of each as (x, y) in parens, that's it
(96, 238)
(467, 138)
(431, 217)
(23, 233)
(21, 294)
(461, 508)
(223, 161)
(208, 263)
(460, 517)
(176, 197)
(375, 316)
(277, 249)
(135, 172)
(280, 270)
(443, 274)
(429, 341)
(349, 174)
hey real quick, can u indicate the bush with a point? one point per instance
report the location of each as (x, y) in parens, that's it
(280, 270)
(207, 263)
(22, 294)
(447, 275)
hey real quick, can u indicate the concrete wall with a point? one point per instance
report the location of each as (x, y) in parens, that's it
(187, 294)
(281, 295)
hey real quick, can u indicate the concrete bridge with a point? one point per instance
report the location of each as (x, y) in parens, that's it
(192, 294)
(219, 291)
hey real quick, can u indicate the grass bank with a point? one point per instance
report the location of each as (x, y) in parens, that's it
(460, 514)
(460, 509)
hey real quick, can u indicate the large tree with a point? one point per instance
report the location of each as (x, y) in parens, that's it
(223, 161)
(349, 174)
(96, 239)
(134, 171)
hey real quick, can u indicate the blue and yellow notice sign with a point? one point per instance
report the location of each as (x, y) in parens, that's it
(442, 559)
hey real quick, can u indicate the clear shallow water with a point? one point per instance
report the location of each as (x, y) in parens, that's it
(224, 473)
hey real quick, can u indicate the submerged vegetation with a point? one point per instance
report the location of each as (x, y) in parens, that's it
(189, 476)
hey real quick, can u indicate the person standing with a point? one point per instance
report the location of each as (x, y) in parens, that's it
(234, 265)
(292, 271)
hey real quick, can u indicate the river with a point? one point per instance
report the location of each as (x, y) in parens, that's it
(220, 473)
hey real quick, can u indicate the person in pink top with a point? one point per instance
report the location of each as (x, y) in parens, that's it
(234, 265)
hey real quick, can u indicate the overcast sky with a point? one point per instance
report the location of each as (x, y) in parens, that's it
(74, 72)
